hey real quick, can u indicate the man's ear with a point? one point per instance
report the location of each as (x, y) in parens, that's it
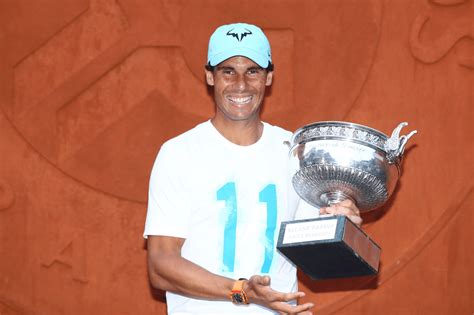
(269, 79)
(209, 77)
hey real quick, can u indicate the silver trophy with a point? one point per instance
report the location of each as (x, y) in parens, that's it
(333, 161)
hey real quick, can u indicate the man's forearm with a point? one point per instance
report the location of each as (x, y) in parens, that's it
(170, 272)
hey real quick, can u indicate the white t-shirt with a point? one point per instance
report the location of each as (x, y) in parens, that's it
(227, 201)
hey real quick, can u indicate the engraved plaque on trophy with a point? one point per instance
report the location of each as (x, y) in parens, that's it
(333, 161)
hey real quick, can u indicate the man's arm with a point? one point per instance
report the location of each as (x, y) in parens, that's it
(169, 271)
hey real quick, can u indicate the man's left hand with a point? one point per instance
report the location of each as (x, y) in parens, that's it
(346, 208)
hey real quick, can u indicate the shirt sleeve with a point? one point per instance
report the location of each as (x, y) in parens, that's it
(168, 211)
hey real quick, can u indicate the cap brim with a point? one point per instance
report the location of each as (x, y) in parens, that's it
(261, 60)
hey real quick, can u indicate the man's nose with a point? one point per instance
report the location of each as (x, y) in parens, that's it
(241, 82)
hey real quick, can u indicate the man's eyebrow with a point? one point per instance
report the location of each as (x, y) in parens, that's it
(224, 68)
(255, 68)
(221, 68)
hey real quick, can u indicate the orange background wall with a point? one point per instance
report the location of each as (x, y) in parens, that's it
(89, 89)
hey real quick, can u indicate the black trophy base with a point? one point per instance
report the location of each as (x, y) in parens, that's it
(329, 247)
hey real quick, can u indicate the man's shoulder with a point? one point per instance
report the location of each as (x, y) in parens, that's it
(189, 135)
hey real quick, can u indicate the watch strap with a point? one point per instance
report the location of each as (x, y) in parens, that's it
(237, 294)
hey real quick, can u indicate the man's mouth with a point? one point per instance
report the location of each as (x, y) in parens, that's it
(240, 100)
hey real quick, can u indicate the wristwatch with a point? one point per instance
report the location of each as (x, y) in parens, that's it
(237, 294)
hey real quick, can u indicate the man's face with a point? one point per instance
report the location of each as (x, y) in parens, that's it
(239, 89)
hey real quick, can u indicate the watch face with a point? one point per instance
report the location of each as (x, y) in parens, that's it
(237, 298)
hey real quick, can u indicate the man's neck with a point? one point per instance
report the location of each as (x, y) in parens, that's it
(239, 132)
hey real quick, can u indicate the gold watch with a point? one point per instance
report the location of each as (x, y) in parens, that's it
(237, 294)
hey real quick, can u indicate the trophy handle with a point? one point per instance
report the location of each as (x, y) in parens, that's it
(395, 145)
(403, 141)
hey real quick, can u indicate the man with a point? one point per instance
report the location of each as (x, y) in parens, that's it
(219, 192)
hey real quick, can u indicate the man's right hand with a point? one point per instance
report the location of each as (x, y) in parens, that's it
(258, 291)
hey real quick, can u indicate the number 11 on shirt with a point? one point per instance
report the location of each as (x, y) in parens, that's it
(267, 195)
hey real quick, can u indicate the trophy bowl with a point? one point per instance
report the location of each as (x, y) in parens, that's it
(333, 161)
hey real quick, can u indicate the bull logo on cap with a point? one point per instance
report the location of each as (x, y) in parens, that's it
(236, 34)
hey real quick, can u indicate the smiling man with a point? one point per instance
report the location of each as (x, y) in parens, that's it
(219, 192)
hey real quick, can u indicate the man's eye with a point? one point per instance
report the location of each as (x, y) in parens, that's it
(254, 72)
(228, 71)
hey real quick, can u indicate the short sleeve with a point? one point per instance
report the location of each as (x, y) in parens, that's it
(168, 211)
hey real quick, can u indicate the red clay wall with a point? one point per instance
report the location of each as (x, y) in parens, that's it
(90, 89)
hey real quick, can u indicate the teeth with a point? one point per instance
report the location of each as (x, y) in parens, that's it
(240, 100)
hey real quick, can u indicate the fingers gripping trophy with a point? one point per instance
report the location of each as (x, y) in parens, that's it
(333, 161)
